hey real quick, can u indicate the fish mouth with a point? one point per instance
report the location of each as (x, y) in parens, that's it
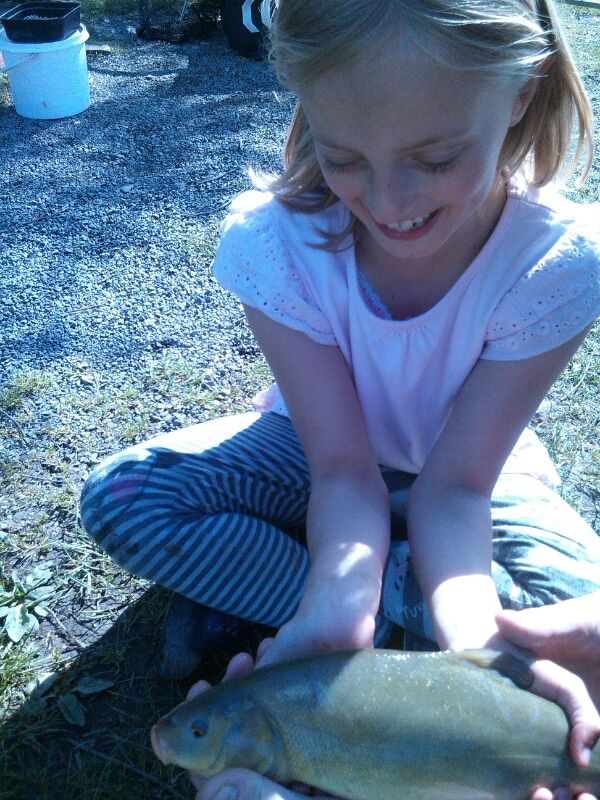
(156, 745)
(167, 755)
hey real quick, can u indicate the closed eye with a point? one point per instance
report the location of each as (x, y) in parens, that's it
(439, 166)
(338, 166)
(347, 166)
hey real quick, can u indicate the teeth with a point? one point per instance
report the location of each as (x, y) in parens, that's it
(410, 224)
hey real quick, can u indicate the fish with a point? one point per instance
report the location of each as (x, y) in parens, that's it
(379, 724)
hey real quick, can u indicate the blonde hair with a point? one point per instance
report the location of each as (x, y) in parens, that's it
(499, 39)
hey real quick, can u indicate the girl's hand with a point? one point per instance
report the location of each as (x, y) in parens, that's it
(243, 784)
(237, 783)
(334, 614)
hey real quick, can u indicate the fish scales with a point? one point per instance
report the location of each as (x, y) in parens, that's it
(375, 724)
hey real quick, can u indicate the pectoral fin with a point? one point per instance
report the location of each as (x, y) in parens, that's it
(511, 666)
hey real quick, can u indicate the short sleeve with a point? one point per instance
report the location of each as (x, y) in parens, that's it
(254, 262)
(551, 303)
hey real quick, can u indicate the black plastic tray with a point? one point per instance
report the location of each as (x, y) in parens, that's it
(41, 22)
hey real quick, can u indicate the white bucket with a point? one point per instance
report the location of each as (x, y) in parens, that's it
(48, 80)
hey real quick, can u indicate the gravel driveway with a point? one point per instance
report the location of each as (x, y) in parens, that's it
(112, 329)
(111, 326)
(109, 218)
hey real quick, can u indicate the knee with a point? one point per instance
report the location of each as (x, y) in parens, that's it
(109, 490)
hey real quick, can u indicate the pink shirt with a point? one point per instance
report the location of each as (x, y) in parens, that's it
(534, 285)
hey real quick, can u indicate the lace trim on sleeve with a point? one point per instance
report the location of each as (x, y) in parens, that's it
(254, 263)
(550, 304)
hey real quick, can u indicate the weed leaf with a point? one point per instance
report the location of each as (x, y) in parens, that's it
(17, 585)
(34, 706)
(42, 683)
(41, 593)
(91, 685)
(39, 575)
(19, 622)
(71, 709)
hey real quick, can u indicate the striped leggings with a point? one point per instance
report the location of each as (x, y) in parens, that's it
(216, 512)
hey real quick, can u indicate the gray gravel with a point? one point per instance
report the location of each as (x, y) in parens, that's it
(109, 218)
(112, 328)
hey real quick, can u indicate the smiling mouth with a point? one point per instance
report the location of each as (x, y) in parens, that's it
(410, 224)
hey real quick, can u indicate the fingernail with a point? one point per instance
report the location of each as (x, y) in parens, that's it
(586, 756)
(226, 793)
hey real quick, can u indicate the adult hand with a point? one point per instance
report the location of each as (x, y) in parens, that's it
(565, 638)
(566, 632)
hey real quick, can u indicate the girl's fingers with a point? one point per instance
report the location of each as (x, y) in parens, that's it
(542, 794)
(197, 688)
(263, 647)
(240, 665)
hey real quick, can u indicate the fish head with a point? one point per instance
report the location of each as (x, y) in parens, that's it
(210, 732)
(192, 736)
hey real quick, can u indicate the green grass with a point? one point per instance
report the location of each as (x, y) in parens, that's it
(100, 623)
(5, 97)
(570, 429)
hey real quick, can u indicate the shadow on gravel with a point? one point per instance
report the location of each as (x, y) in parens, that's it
(45, 757)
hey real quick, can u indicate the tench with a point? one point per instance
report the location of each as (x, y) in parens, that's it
(379, 725)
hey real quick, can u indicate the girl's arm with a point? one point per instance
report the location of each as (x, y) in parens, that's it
(449, 506)
(349, 516)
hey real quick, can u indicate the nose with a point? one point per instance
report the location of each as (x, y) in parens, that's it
(392, 195)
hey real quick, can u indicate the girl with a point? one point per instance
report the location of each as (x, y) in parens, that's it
(416, 283)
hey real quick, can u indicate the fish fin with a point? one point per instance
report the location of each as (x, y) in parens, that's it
(509, 665)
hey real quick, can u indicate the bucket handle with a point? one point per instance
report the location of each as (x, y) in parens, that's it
(25, 58)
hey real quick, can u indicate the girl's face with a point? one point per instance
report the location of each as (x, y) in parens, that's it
(412, 150)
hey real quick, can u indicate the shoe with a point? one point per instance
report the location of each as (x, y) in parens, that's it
(192, 631)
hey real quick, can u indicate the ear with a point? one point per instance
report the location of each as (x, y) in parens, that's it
(523, 100)
(527, 92)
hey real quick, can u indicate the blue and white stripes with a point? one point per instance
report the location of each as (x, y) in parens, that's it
(216, 512)
(210, 512)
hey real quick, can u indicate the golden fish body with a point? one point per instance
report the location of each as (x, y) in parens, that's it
(378, 724)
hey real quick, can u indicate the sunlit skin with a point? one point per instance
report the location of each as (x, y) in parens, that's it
(394, 151)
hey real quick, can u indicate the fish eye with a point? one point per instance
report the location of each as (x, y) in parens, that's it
(198, 729)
